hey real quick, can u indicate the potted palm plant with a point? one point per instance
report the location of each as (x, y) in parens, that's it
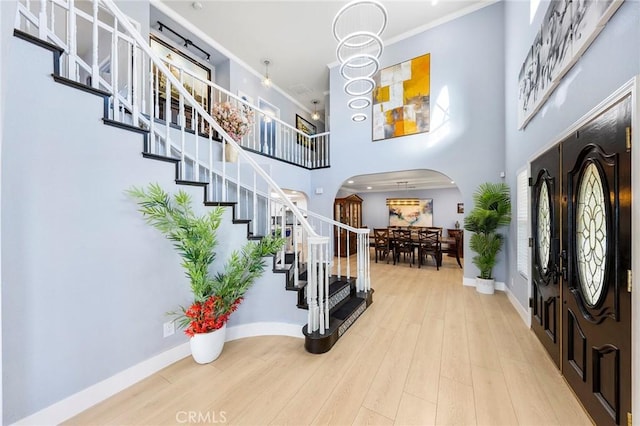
(492, 209)
(215, 296)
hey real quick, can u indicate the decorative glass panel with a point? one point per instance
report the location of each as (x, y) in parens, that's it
(591, 234)
(544, 227)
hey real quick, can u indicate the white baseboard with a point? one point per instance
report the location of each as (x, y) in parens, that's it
(264, 329)
(471, 282)
(521, 310)
(78, 402)
(524, 313)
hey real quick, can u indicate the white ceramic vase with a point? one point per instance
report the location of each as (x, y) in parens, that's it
(206, 347)
(485, 286)
(230, 154)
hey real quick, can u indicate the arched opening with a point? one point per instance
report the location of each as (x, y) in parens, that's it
(412, 199)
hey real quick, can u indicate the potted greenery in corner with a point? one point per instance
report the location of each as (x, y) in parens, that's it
(492, 209)
(215, 297)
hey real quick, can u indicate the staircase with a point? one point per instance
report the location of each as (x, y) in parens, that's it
(196, 145)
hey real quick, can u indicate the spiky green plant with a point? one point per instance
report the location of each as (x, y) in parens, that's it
(492, 209)
(244, 267)
(194, 237)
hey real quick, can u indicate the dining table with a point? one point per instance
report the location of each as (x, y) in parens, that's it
(448, 245)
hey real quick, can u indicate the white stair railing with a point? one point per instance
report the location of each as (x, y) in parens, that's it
(342, 265)
(151, 95)
(135, 100)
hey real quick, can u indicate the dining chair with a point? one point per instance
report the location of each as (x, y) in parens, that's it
(429, 245)
(402, 244)
(381, 243)
(435, 229)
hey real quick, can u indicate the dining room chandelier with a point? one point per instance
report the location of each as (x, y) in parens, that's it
(403, 202)
(357, 27)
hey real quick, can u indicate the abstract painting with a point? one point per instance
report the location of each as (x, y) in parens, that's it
(401, 99)
(568, 28)
(420, 214)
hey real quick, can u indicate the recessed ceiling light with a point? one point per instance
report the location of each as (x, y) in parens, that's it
(295, 192)
(369, 187)
(196, 5)
(452, 182)
(349, 181)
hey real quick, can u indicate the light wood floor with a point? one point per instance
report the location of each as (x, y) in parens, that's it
(428, 351)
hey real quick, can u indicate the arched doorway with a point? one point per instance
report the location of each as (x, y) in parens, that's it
(438, 202)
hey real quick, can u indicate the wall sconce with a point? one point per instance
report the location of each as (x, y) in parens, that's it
(266, 81)
(315, 116)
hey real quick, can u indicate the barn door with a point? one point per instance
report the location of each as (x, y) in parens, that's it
(545, 214)
(596, 236)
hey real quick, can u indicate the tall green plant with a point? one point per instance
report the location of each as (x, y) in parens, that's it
(243, 267)
(492, 209)
(194, 237)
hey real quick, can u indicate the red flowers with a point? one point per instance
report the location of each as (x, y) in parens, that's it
(209, 315)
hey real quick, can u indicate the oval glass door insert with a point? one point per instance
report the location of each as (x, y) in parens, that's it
(591, 235)
(544, 228)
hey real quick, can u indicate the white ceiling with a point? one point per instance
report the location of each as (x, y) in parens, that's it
(296, 37)
(401, 181)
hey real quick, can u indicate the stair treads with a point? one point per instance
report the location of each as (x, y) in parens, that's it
(346, 309)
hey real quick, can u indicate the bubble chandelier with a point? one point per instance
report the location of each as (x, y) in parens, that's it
(357, 27)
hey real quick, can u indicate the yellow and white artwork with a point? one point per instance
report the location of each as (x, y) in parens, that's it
(401, 99)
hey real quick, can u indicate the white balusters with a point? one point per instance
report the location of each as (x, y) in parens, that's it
(137, 71)
(42, 33)
(72, 57)
(115, 65)
(95, 70)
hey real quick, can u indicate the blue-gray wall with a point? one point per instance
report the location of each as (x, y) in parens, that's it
(251, 85)
(467, 77)
(612, 60)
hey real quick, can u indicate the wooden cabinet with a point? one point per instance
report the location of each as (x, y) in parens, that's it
(459, 244)
(347, 210)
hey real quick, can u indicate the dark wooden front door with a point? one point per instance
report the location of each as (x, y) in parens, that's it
(545, 214)
(596, 227)
(581, 225)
